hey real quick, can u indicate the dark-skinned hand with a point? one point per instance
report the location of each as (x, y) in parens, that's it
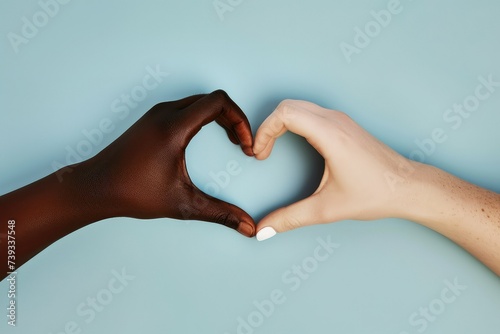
(142, 174)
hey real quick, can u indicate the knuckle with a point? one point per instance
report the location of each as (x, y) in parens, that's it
(220, 94)
(342, 116)
(156, 108)
(290, 222)
(287, 110)
(287, 102)
(226, 219)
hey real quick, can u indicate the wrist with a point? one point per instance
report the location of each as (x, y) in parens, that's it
(88, 193)
(427, 199)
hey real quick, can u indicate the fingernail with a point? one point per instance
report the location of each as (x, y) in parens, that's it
(266, 233)
(248, 151)
(246, 229)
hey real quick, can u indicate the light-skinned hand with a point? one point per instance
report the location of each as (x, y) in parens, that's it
(364, 179)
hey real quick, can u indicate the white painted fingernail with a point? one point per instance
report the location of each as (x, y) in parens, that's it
(266, 233)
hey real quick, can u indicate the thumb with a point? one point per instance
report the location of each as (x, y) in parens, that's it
(201, 206)
(308, 211)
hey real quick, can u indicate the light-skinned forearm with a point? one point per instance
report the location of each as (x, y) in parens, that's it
(465, 213)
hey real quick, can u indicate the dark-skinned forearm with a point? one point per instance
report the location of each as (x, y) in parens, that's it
(45, 211)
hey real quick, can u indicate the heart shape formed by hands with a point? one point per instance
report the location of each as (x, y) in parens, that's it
(290, 174)
(153, 152)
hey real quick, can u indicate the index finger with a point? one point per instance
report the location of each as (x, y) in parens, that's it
(293, 116)
(218, 106)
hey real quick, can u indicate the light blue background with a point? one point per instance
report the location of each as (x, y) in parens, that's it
(193, 277)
